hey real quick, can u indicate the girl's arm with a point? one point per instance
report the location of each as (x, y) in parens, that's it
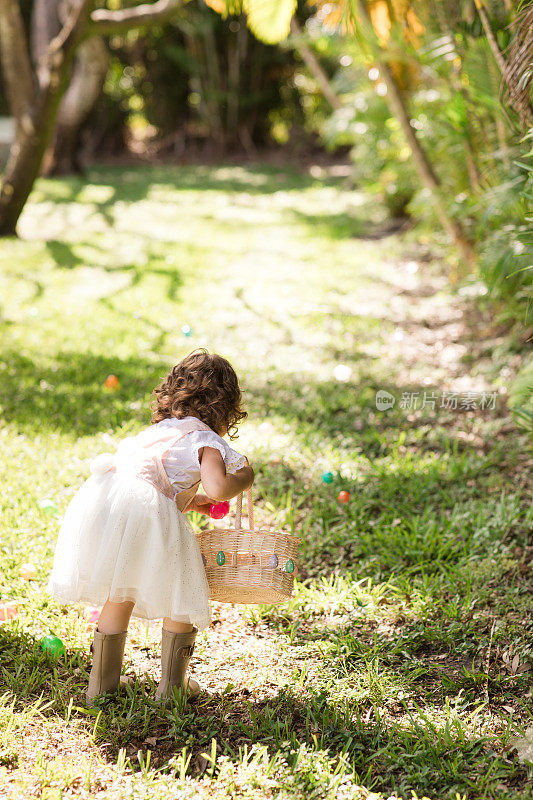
(218, 483)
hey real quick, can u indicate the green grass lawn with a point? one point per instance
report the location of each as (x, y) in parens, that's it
(401, 666)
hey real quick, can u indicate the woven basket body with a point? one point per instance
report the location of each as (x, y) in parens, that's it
(249, 566)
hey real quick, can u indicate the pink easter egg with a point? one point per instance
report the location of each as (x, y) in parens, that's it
(219, 510)
(92, 614)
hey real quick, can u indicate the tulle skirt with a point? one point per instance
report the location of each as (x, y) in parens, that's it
(123, 539)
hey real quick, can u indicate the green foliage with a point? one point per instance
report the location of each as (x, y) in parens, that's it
(451, 84)
(203, 81)
(269, 20)
(521, 397)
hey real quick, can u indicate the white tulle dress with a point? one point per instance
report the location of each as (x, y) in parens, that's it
(123, 536)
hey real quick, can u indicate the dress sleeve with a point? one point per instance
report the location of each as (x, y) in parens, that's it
(232, 459)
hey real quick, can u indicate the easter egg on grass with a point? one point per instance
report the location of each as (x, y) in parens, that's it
(344, 497)
(219, 510)
(8, 610)
(92, 614)
(111, 382)
(327, 477)
(48, 505)
(53, 645)
(28, 571)
(266, 427)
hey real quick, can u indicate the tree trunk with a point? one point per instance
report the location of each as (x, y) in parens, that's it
(85, 86)
(424, 167)
(84, 89)
(34, 97)
(24, 164)
(456, 79)
(16, 66)
(45, 26)
(314, 66)
(37, 115)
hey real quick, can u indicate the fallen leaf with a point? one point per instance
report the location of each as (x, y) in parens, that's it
(202, 764)
(524, 746)
(151, 741)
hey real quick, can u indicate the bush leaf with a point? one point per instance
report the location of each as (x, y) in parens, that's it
(270, 20)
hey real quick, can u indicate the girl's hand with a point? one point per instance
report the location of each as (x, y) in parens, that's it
(200, 503)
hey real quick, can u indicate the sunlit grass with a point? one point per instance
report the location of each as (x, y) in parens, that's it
(373, 676)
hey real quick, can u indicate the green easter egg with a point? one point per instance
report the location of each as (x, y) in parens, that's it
(48, 506)
(327, 477)
(289, 566)
(221, 558)
(52, 644)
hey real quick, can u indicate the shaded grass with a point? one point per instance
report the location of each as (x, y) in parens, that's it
(391, 668)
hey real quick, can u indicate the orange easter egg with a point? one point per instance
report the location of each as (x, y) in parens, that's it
(344, 497)
(28, 572)
(8, 610)
(111, 382)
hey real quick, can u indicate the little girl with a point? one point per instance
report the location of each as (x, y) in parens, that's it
(125, 542)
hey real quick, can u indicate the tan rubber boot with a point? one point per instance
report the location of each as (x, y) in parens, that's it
(108, 652)
(176, 652)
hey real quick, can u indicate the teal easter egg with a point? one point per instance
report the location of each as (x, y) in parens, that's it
(221, 558)
(53, 645)
(327, 477)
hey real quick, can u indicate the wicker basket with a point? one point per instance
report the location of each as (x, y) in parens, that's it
(249, 566)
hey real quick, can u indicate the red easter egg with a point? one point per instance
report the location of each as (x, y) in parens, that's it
(219, 510)
(344, 497)
(111, 382)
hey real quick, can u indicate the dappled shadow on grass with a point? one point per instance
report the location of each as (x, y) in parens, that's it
(350, 225)
(65, 257)
(396, 659)
(104, 187)
(345, 413)
(378, 751)
(68, 394)
(133, 184)
(421, 517)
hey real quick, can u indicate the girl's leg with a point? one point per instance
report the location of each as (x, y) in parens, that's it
(115, 617)
(176, 627)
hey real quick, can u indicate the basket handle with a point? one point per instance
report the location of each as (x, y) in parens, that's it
(238, 510)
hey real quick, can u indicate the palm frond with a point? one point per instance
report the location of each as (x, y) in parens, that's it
(516, 89)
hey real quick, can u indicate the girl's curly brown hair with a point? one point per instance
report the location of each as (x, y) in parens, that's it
(202, 385)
